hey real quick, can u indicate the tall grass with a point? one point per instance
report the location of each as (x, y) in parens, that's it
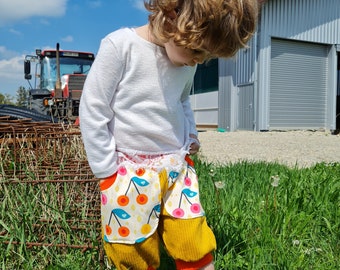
(55, 215)
(268, 216)
(264, 216)
(48, 220)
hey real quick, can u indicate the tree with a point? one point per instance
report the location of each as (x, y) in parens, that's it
(6, 99)
(22, 97)
(2, 99)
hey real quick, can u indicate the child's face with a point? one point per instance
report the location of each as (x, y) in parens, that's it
(181, 56)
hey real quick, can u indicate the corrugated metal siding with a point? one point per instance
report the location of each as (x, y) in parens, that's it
(226, 104)
(246, 107)
(245, 62)
(308, 20)
(245, 76)
(315, 21)
(205, 108)
(298, 85)
(236, 90)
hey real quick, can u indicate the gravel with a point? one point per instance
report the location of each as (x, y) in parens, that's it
(292, 148)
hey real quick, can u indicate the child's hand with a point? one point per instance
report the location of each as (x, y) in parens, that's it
(195, 145)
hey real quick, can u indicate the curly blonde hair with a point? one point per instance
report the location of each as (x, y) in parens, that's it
(221, 27)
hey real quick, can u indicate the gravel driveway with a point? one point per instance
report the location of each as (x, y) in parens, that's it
(301, 148)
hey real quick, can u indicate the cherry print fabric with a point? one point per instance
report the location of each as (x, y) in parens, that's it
(131, 199)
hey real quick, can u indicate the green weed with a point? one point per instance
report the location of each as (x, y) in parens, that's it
(264, 216)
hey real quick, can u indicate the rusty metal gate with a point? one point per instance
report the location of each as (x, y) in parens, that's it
(49, 197)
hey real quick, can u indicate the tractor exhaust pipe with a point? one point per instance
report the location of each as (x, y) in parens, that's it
(58, 92)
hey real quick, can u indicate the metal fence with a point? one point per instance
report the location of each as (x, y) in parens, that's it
(49, 196)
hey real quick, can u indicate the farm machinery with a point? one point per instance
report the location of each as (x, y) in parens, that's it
(42, 155)
(59, 78)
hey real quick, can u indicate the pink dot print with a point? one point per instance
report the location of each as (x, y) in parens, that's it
(104, 199)
(195, 208)
(178, 212)
(187, 181)
(122, 171)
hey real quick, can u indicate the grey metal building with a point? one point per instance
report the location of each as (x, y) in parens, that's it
(288, 78)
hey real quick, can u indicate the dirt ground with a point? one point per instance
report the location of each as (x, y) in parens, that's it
(301, 148)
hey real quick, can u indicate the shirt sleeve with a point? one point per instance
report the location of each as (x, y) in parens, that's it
(96, 111)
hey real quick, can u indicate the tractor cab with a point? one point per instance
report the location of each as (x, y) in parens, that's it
(58, 81)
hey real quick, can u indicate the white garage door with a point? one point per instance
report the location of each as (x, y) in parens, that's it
(298, 85)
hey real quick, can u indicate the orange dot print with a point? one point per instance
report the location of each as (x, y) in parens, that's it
(140, 171)
(142, 199)
(124, 231)
(107, 182)
(123, 200)
(108, 230)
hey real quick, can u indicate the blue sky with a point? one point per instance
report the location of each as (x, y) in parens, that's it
(75, 24)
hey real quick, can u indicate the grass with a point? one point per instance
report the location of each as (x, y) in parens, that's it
(268, 216)
(264, 216)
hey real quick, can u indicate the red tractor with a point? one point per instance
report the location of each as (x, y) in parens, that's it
(59, 80)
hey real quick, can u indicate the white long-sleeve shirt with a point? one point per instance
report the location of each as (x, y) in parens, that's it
(134, 101)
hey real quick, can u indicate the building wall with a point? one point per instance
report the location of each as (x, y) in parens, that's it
(312, 21)
(308, 20)
(205, 108)
(204, 95)
(236, 88)
(298, 85)
(248, 75)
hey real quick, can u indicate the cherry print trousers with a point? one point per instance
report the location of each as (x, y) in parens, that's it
(152, 199)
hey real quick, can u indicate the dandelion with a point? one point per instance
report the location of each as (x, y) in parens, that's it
(219, 184)
(296, 242)
(212, 173)
(309, 251)
(275, 183)
(276, 180)
(262, 205)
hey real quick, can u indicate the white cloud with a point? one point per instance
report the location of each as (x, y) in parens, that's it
(44, 21)
(139, 4)
(2, 50)
(47, 47)
(6, 54)
(14, 10)
(94, 4)
(12, 68)
(67, 39)
(11, 71)
(15, 32)
(12, 75)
